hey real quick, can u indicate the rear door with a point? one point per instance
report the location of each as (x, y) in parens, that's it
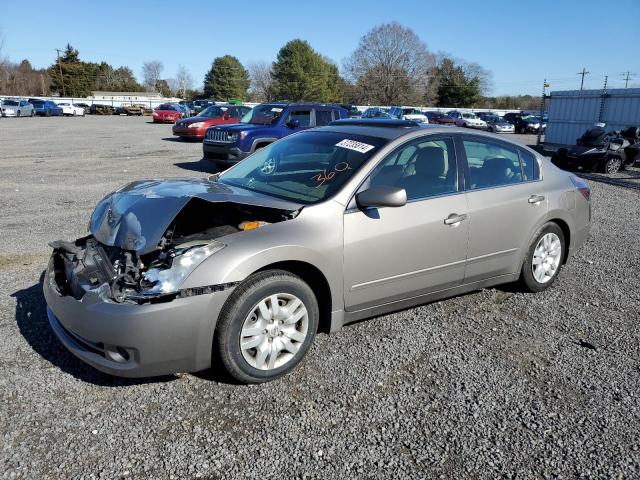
(506, 202)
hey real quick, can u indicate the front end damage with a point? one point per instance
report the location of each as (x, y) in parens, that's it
(115, 297)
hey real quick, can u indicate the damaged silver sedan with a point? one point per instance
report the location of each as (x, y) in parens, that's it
(317, 230)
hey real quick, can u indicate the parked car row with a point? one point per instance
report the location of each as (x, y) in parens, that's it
(492, 122)
(34, 106)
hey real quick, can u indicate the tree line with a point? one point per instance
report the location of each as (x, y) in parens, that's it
(390, 66)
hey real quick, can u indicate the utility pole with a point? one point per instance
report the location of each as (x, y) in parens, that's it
(603, 95)
(626, 76)
(64, 94)
(583, 73)
(545, 85)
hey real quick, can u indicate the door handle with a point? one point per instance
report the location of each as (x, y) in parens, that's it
(454, 219)
(535, 199)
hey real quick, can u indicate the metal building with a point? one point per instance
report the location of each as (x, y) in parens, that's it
(571, 112)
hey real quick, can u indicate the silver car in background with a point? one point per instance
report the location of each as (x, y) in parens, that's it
(498, 124)
(317, 230)
(16, 108)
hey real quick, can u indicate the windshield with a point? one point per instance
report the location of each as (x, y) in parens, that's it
(37, 102)
(166, 106)
(212, 112)
(263, 115)
(306, 168)
(10, 103)
(468, 115)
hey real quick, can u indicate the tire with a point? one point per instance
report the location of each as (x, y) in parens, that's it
(613, 164)
(47, 113)
(19, 113)
(33, 113)
(536, 277)
(245, 308)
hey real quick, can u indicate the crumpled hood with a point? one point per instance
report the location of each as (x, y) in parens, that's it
(136, 216)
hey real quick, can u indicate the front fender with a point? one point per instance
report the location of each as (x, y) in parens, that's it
(304, 239)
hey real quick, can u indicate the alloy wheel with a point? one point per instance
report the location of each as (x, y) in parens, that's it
(546, 257)
(613, 164)
(274, 331)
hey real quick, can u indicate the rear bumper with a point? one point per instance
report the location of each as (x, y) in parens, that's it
(579, 238)
(223, 155)
(132, 340)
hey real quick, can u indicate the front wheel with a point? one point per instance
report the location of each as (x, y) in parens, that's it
(613, 164)
(33, 113)
(266, 326)
(544, 259)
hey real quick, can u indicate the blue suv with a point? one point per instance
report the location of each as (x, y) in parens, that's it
(226, 145)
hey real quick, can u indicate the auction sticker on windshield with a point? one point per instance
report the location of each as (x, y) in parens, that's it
(354, 145)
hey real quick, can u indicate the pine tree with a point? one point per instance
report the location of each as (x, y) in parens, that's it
(226, 79)
(302, 74)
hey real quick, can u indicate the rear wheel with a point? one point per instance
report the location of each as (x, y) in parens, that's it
(19, 113)
(266, 327)
(33, 113)
(47, 113)
(544, 259)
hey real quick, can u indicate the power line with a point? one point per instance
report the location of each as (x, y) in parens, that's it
(583, 73)
(626, 76)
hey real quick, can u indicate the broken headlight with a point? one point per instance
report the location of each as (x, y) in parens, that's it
(159, 281)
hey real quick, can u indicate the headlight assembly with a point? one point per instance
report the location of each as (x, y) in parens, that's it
(196, 125)
(159, 281)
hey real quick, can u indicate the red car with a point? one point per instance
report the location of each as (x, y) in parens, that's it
(196, 127)
(167, 113)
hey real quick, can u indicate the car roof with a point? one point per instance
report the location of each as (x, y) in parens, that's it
(391, 130)
(388, 129)
(303, 104)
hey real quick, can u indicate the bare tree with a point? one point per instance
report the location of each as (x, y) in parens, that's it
(182, 82)
(390, 66)
(151, 72)
(260, 77)
(485, 77)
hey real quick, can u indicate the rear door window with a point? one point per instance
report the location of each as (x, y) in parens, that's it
(323, 117)
(491, 164)
(303, 117)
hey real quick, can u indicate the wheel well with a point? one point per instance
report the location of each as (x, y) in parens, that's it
(260, 145)
(318, 283)
(567, 236)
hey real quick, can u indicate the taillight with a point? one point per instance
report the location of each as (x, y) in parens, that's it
(582, 186)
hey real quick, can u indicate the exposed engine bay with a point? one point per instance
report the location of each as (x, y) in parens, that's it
(122, 275)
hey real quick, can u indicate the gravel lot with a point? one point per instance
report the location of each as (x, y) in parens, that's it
(491, 384)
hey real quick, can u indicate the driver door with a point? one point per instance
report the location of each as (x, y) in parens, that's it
(396, 253)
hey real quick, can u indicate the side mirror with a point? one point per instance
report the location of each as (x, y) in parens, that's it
(382, 196)
(293, 124)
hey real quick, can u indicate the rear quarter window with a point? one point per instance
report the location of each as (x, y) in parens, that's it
(530, 167)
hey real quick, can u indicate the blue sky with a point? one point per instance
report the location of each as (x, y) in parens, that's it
(521, 42)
